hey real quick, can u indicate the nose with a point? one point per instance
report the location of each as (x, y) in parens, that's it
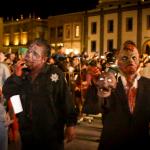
(105, 82)
(131, 60)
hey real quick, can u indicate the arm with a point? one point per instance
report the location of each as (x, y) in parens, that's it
(69, 112)
(12, 85)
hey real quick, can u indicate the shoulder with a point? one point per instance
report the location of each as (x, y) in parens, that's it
(54, 73)
(145, 81)
(3, 64)
(53, 69)
(4, 68)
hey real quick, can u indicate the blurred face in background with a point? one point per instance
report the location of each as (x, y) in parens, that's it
(12, 56)
(128, 60)
(76, 61)
(2, 57)
(94, 70)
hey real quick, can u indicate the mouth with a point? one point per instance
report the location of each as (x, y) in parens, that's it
(104, 89)
(104, 92)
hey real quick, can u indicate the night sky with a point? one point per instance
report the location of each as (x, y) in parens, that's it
(44, 8)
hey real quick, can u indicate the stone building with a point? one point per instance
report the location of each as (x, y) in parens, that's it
(115, 21)
(101, 29)
(18, 33)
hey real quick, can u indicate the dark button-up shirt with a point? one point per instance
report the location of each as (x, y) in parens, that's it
(46, 101)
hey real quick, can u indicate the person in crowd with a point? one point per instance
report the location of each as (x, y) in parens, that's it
(2, 57)
(11, 60)
(11, 57)
(5, 120)
(145, 69)
(60, 59)
(91, 105)
(126, 109)
(12, 133)
(4, 73)
(48, 118)
(80, 86)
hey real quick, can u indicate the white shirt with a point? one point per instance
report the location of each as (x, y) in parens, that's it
(135, 82)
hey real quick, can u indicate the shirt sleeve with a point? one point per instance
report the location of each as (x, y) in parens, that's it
(12, 86)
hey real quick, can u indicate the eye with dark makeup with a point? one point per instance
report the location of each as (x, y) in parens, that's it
(124, 58)
(134, 58)
(36, 54)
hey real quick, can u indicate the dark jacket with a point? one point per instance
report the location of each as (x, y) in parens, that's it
(47, 103)
(121, 129)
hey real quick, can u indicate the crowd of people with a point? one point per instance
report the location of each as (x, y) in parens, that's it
(57, 90)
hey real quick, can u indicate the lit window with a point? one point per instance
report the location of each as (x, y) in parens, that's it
(77, 31)
(16, 38)
(24, 37)
(6, 39)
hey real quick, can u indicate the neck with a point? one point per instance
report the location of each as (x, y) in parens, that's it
(130, 79)
(35, 72)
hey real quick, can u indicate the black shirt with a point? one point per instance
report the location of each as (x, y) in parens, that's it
(46, 101)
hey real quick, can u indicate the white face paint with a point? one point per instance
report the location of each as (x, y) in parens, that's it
(35, 56)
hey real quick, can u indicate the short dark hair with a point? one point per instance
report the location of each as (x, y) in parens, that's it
(44, 43)
(128, 42)
(125, 46)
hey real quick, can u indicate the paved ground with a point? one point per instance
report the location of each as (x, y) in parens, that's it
(88, 135)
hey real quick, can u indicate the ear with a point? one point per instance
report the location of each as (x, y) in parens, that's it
(45, 59)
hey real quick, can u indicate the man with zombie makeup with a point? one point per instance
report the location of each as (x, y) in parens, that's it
(48, 117)
(125, 104)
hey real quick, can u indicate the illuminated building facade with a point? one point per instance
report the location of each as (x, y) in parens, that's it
(98, 30)
(18, 33)
(115, 21)
(67, 30)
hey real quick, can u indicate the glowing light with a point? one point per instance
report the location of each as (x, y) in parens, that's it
(6, 39)
(76, 51)
(24, 38)
(16, 38)
(53, 45)
(102, 57)
(67, 51)
(60, 44)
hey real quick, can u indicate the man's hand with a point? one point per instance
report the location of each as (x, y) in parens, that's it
(8, 121)
(69, 133)
(18, 68)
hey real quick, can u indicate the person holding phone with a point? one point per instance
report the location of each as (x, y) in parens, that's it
(48, 117)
